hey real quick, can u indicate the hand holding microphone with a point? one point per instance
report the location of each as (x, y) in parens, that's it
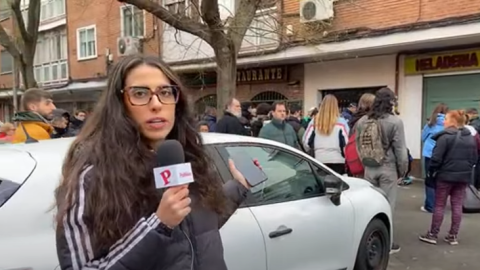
(174, 206)
(173, 174)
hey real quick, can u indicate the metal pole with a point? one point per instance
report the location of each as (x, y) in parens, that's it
(15, 87)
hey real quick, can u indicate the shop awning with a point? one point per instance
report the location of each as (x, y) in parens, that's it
(81, 86)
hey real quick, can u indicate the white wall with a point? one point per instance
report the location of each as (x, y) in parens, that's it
(348, 73)
(410, 103)
(180, 46)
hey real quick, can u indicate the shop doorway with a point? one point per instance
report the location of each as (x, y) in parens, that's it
(271, 96)
(349, 95)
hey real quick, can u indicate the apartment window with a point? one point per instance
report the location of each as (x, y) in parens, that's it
(186, 7)
(51, 9)
(4, 10)
(25, 16)
(86, 43)
(132, 21)
(50, 63)
(264, 28)
(6, 62)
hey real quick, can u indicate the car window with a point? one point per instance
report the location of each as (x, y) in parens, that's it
(290, 177)
(15, 167)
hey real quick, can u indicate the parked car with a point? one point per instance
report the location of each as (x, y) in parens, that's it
(305, 216)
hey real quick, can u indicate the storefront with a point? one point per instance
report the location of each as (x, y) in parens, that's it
(348, 79)
(256, 84)
(451, 77)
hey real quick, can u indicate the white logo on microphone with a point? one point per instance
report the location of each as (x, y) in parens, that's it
(174, 175)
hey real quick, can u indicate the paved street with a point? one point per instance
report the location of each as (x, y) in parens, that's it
(415, 255)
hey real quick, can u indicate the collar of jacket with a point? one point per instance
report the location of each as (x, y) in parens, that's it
(29, 117)
(278, 123)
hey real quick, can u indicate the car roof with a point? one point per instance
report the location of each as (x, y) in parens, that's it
(208, 139)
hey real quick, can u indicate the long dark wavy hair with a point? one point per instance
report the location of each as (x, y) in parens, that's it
(383, 104)
(122, 187)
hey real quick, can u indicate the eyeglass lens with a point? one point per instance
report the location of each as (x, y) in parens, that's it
(141, 95)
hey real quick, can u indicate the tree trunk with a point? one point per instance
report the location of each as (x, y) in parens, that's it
(28, 76)
(226, 77)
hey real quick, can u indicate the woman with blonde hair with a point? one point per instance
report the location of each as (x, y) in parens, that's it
(327, 135)
(453, 159)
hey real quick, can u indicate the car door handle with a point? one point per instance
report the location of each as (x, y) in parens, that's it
(282, 230)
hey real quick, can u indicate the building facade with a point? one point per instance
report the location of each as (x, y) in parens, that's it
(78, 42)
(257, 81)
(98, 33)
(426, 53)
(292, 52)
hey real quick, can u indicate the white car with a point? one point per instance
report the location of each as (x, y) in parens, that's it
(304, 217)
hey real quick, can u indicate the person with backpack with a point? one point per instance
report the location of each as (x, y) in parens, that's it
(382, 148)
(453, 160)
(327, 135)
(353, 163)
(434, 125)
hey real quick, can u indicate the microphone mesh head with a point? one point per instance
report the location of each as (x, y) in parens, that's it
(170, 152)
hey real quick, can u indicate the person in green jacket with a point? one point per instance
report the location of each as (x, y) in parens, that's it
(278, 129)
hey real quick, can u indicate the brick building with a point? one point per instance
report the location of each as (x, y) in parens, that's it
(77, 44)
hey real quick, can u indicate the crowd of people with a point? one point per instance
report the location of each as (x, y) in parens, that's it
(368, 141)
(39, 119)
(111, 216)
(451, 150)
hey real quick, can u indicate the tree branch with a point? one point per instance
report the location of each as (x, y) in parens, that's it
(211, 15)
(8, 43)
(244, 16)
(177, 21)
(17, 15)
(34, 9)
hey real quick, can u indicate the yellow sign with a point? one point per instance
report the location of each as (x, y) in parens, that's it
(458, 61)
(270, 74)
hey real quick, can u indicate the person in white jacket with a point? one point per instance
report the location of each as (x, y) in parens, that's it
(327, 135)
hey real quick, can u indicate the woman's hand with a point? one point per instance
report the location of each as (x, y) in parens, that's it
(174, 206)
(237, 175)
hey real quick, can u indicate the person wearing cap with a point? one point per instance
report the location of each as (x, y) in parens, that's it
(348, 112)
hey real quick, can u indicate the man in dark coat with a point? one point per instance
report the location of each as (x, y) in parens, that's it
(230, 122)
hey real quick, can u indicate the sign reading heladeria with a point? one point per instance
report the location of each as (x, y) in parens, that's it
(446, 62)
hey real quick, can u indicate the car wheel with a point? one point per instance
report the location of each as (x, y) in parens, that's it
(374, 249)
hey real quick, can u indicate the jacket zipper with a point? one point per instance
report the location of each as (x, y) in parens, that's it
(191, 248)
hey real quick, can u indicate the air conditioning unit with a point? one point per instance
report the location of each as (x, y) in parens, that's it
(128, 45)
(315, 10)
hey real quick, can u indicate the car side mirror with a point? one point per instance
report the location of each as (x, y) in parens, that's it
(333, 187)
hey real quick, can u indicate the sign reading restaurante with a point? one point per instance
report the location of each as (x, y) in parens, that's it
(270, 74)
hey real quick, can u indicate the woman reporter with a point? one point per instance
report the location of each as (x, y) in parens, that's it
(110, 215)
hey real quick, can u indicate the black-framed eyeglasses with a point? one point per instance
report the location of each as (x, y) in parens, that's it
(142, 95)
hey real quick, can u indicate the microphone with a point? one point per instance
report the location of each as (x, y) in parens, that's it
(171, 168)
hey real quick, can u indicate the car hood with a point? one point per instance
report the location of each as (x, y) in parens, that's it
(356, 183)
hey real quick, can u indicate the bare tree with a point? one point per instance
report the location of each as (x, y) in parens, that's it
(225, 38)
(21, 40)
